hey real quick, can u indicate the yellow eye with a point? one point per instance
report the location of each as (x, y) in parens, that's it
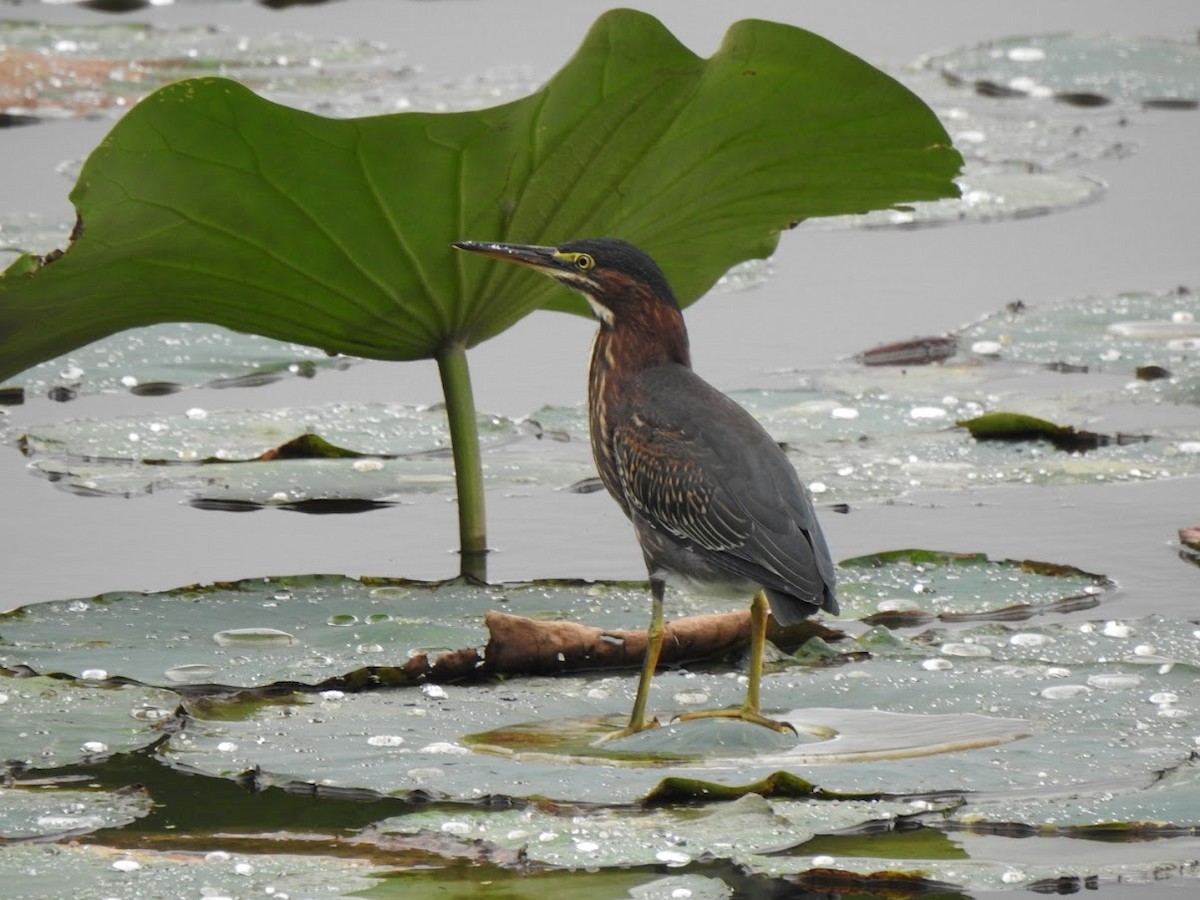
(584, 262)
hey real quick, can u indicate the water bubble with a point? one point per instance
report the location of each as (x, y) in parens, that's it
(342, 620)
(1013, 876)
(937, 664)
(1065, 691)
(986, 348)
(927, 412)
(94, 674)
(456, 827)
(190, 673)
(247, 638)
(282, 595)
(1030, 639)
(672, 857)
(216, 856)
(94, 747)
(966, 650)
(389, 592)
(823, 861)
(898, 604)
(1144, 650)
(227, 747)
(385, 740)
(378, 618)
(447, 748)
(150, 713)
(243, 868)
(3, 697)
(547, 836)
(369, 648)
(1114, 681)
(434, 691)
(332, 695)
(691, 698)
(367, 465)
(586, 846)
(126, 865)
(196, 413)
(1164, 697)
(844, 412)
(1117, 630)
(1058, 672)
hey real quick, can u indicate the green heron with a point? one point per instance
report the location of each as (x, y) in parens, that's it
(713, 499)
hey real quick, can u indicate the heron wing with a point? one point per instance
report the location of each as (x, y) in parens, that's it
(694, 463)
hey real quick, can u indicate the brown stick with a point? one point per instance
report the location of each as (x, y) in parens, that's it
(521, 646)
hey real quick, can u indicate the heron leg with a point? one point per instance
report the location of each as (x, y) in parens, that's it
(654, 641)
(750, 710)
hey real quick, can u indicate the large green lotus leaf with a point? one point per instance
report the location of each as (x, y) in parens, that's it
(208, 203)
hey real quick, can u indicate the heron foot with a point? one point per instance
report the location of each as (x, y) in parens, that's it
(628, 731)
(739, 712)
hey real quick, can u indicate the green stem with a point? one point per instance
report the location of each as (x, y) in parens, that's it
(468, 465)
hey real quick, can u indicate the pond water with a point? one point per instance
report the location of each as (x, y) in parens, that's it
(832, 291)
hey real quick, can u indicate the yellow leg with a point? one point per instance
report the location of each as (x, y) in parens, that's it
(750, 710)
(654, 641)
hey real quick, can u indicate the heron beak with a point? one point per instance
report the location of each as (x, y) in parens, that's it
(544, 259)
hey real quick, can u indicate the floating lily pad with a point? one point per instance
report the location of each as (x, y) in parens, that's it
(52, 722)
(987, 193)
(173, 357)
(81, 70)
(1113, 333)
(34, 812)
(39, 870)
(1114, 69)
(237, 456)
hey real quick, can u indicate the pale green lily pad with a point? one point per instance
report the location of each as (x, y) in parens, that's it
(401, 449)
(33, 812)
(308, 629)
(988, 192)
(625, 837)
(1120, 69)
(54, 722)
(1092, 725)
(1115, 333)
(33, 871)
(171, 357)
(81, 70)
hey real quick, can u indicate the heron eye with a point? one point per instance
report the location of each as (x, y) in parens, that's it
(584, 262)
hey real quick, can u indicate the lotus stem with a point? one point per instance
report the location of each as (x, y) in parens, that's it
(468, 464)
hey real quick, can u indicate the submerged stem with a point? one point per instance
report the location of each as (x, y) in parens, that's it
(468, 465)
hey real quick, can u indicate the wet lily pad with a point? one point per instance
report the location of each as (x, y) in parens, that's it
(33, 812)
(52, 722)
(38, 870)
(179, 355)
(988, 192)
(58, 70)
(1119, 332)
(1110, 68)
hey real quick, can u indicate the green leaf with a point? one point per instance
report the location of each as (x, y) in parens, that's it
(209, 203)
